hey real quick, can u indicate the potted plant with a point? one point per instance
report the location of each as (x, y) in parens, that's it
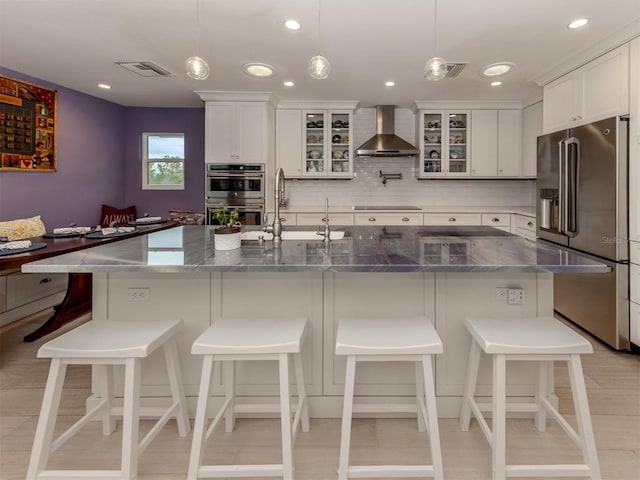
(227, 234)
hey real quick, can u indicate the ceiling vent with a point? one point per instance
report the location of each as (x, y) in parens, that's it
(145, 69)
(454, 69)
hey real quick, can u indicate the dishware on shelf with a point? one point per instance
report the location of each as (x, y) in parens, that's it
(312, 139)
(336, 139)
(344, 139)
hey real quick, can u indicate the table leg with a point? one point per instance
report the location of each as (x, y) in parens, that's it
(76, 302)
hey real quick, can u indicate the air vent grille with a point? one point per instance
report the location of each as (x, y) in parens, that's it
(145, 69)
(454, 69)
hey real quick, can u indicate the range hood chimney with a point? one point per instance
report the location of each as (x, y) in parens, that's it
(385, 143)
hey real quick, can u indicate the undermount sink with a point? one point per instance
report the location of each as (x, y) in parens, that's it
(386, 207)
(291, 235)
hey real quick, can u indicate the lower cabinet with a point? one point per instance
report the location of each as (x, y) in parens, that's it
(23, 294)
(523, 225)
(453, 219)
(316, 219)
(388, 219)
(500, 221)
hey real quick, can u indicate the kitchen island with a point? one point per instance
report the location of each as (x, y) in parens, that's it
(445, 273)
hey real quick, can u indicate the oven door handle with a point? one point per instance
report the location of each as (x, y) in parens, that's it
(235, 175)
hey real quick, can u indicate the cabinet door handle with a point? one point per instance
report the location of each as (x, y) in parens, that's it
(372, 219)
(282, 219)
(452, 219)
(45, 281)
(405, 219)
(530, 224)
(495, 220)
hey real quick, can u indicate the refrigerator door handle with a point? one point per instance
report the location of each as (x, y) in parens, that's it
(571, 182)
(561, 190)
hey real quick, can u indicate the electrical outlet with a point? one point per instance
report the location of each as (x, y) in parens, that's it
(138, 294)
(516, 296)
(501, 293)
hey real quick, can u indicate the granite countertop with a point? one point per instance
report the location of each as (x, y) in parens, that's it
(363, 249)
(520, 209)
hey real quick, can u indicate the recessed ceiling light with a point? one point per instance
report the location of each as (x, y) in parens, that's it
(288, 84)
(260, 70)
(292, 24)
(105, 86)
(389, 84)
(496, 69)
(581, 22)
(496, 84)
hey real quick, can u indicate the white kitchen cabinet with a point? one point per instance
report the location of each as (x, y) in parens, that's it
(285, 218)
(635, 322)
(22, 294)
(316, 219)
(531, 130)
(388, 219)
(634, 142)
(315, 139)
(496, 139)
(236, 132)
(501, 221)
(443, 138)
(509, 141)
(452, 219)
(595, 91)
(484, 138)
(523, 226)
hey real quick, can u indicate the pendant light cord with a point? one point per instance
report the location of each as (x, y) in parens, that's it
(435, 28)
(197, 27)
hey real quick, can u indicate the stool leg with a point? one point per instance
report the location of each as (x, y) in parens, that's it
(419, 394)
(105, 375)
(347, 411)
(583, 417)
(200, 423)
(47, 420)
(229, 391)
(302, 392)
(470, 386)
(432, 420)
(285, 417)
(498, 422)
(177, 387)
(130, 418)
(542, 392)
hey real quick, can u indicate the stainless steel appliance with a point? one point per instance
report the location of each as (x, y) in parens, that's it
(582, 205)
(385, 143)
(241, 186)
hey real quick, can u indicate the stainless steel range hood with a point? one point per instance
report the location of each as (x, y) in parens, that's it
(385, 143)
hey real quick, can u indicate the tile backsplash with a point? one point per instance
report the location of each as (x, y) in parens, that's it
(367, 188)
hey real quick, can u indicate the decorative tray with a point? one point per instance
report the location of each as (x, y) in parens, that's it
(61, 235)
(152, 222)
(97, 234)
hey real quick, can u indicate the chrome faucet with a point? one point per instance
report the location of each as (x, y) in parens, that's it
(276, 227)
(327, 231)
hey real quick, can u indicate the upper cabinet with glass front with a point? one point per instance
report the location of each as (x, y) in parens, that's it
(443, 139)
(315, 142)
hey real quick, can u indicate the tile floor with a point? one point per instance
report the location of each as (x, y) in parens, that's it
(613, 382)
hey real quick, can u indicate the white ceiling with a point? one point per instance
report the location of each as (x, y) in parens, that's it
(74, 43)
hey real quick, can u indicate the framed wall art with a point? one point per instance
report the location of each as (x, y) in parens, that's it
(27, 126)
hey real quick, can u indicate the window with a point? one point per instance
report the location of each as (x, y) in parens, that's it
(163, 161)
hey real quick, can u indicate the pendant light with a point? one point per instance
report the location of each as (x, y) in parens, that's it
(197, 67)
(436, 67)
(318, 66)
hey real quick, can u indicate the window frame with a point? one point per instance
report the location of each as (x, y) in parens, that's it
(146, 161)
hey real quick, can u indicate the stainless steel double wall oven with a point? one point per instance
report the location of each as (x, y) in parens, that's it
(241, 186)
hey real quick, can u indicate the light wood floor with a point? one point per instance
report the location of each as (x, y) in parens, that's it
(613, 382)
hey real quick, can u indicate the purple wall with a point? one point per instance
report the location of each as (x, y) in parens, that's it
(164, 120)
(98, 151)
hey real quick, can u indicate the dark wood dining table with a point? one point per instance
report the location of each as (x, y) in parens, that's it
(77, 299)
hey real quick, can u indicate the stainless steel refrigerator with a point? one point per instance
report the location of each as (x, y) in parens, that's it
(582, 205)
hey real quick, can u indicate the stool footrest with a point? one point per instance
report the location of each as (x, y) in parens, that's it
(73, 429)
(168, 414)
(384, 408)
(382, 471)
(240, 471)
(67, 474)
(561, 470)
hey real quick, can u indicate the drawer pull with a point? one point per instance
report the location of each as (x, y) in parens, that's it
(282, 219)
(372, 219)
(405, 219)
(530, 224)
(45, 280)
(452, 219)
(495, 220)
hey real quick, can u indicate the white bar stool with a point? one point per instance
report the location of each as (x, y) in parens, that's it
(391, 340)
(542, 339)
(104, 344)
(226, 341)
